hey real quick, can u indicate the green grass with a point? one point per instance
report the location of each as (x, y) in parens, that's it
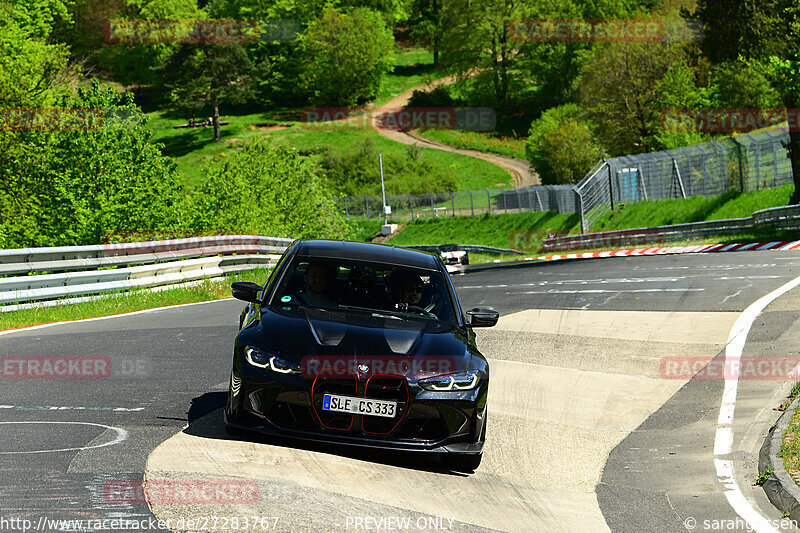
(790, 445)
(476, 140)
(500, 231)
(193, 148)
(126, 302)
(525, 231)
(472, 173)
(411, 68)
(694, 209)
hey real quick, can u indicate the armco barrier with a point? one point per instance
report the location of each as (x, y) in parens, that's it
(474, 248)
(143, 264)
(775, 218)
(65, 258)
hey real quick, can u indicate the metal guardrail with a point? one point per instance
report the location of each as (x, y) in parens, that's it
(66, 258)
(775, 218)
(474, 248)
(76, 269)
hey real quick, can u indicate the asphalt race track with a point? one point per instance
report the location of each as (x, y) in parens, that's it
(586, 433)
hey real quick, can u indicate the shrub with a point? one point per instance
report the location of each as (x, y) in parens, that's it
(270, 191)
(347, 56)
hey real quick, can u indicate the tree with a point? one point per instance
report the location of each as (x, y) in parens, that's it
(766, 32)
(560, 145)
(73, 187)
(33, 71)
(620, 89)
(267, 190)
(429, 24)
(197, 76)
(480, 43)
(570, 151)
(347, 56)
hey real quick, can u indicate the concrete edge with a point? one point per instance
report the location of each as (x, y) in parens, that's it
(780, 488)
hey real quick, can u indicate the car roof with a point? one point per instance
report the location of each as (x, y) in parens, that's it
(364, 251)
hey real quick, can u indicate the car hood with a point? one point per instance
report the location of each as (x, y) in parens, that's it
(330, 337)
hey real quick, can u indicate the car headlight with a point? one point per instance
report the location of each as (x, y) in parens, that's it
(262, 359)
(448, 382)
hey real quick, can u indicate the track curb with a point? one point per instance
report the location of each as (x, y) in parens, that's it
(636, 252)
(780, 488)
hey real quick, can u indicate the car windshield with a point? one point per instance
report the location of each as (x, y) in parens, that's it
(362, 286)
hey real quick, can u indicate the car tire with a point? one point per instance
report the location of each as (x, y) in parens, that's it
(463, 462)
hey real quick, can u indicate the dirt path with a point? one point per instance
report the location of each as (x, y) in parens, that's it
(519, 169)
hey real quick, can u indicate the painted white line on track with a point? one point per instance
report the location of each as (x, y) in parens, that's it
(107, 317)
(121, 436)
(723, 440)
(71, 408)
(604, 291)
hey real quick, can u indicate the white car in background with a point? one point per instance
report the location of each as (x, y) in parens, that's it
(452, 255)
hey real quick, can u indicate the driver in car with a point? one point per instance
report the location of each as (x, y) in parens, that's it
(318, 279)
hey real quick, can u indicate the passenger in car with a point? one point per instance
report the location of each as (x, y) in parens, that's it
(407, 288)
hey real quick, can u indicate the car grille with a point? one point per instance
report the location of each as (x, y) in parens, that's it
(385, 387)
(347, 386)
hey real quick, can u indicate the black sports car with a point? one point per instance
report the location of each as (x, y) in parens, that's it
(361, 344)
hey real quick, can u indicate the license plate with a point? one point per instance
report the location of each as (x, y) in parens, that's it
(359, 406)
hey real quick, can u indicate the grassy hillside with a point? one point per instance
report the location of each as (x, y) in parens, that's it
(526, 230)
(193, 148)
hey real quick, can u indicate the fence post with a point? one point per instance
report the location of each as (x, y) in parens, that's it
(610, 185)
(741, 173)
(346, 212)
(411, 206)
(678, 174)
(453, 204)
(641, 180)
(433, 212)
(758, 165)
(488, 201)
(580, 211)
(539, 201)
(775, 162)
(471, 204)
(366, 208)
(519, 201)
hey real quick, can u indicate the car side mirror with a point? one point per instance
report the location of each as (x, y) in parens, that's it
(480, 317)
(246, 291)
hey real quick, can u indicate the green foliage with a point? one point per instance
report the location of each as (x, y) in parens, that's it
(126, 63)
(347, 56)
(570, 152)
(202, 76)
(357, 172)
(33, 71)
(268, 191)
(73, 187)
(621, 87)
(438, 97)
(560, 145)
(744, 84)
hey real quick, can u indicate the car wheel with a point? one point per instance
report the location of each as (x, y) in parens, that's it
(463, 462)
